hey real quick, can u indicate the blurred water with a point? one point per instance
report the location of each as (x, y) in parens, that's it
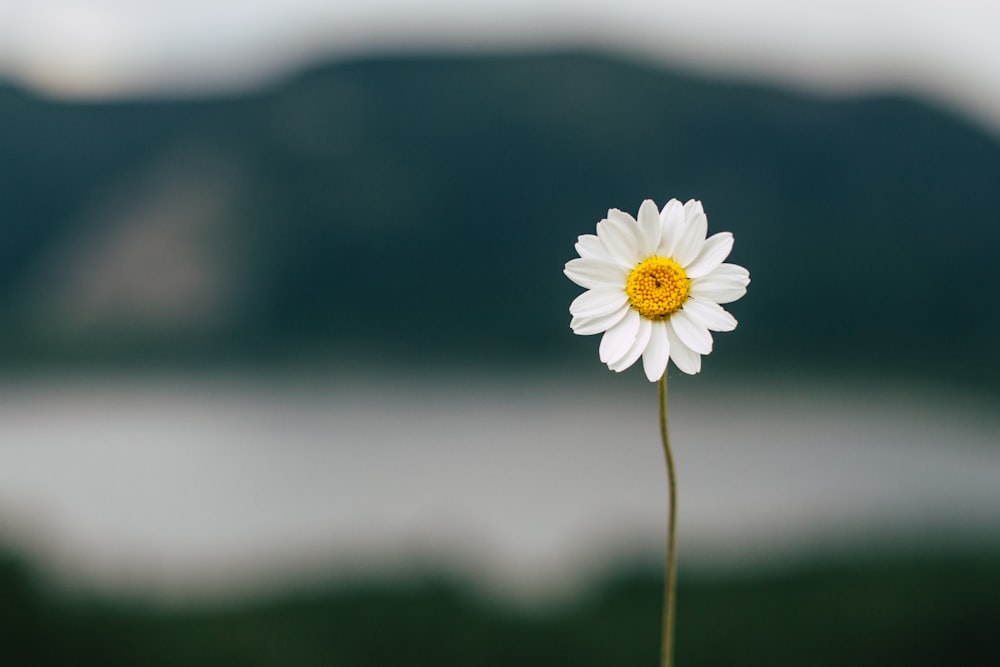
(179, 487)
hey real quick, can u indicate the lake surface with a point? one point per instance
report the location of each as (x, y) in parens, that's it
(194, 486)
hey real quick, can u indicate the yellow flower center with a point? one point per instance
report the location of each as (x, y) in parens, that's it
(657, 287)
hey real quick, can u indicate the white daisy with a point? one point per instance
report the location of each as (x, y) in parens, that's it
(654, 286)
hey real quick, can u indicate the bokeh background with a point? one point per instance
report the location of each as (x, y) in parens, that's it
(287, 376)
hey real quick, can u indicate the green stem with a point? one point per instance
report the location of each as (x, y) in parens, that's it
(670, 585)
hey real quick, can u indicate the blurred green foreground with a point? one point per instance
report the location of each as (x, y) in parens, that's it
(889, 611)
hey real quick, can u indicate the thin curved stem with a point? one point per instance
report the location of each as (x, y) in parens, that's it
(670, 585)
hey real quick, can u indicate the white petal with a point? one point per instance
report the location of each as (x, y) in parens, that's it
(590, 246)
(619, 338)
(730, 271)
(713, 316)
(718, 292)
(684, 358)
(619, 233)
(588, 326)
(657, 354)
(691, 239)
(692, 207)
(691, 332)
(649, 227)
(621, 217)
(598, 302)
(727, 283)
(671, 221)
(595, 274)
(638, 347)
(714, 252)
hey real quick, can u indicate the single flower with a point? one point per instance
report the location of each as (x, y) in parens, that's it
(654, 286)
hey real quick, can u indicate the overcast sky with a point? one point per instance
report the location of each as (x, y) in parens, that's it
(948, 51)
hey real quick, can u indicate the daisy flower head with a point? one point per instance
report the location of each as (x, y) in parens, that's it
(654, 285)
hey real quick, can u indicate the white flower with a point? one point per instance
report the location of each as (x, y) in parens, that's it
(654, 287)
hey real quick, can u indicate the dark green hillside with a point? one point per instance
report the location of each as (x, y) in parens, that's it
(908, 611)
(425, 206)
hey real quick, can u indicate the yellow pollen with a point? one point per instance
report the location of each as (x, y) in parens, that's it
(657, 287)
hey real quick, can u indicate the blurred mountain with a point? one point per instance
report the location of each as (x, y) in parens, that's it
(422, 208)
